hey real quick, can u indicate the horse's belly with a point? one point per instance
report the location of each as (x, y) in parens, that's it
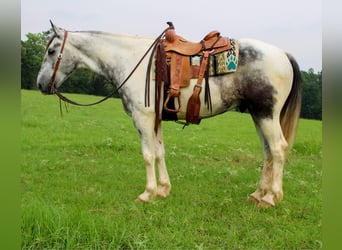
(218, 106)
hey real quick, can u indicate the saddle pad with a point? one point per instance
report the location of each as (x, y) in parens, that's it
(221, 63)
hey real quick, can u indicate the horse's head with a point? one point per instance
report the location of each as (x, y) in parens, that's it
(58, 63)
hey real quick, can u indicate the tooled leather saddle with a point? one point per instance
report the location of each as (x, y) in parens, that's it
(173, 68)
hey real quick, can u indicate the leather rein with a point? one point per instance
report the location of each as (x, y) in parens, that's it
(53, 88)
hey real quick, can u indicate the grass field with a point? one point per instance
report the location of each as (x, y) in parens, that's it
(80, 174)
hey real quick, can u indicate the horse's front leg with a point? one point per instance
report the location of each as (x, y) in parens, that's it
(164, 185)
(144, 123)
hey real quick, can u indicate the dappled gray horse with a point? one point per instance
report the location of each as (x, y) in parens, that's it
(267, 82)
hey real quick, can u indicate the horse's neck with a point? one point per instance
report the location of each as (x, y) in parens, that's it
(110, 55)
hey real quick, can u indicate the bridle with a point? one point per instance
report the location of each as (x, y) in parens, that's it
(52, 84)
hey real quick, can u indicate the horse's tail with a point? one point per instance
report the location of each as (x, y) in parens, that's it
(290, 112)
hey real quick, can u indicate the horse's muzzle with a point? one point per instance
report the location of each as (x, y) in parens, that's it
(46, 90)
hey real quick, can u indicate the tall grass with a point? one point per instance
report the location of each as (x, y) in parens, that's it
(81, 173)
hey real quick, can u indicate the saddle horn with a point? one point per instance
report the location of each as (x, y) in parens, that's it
(170, 34)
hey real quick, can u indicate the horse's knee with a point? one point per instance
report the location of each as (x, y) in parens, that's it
(149, 158)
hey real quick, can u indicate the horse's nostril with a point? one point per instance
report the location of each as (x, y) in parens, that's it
(40, 86)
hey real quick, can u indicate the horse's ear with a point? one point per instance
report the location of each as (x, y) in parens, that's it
(55, 28)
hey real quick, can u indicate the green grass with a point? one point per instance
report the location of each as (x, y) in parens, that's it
(81, 173)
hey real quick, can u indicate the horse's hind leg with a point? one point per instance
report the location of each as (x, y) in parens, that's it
(270, 189)
(164, 185)
(266, 176)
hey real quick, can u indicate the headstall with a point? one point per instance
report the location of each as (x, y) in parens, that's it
(59, 58)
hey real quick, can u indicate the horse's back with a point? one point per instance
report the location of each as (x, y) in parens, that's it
(263, 55)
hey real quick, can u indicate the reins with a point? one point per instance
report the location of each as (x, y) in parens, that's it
(54, 90)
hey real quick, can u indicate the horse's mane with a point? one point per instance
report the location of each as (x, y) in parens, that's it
(104, 33)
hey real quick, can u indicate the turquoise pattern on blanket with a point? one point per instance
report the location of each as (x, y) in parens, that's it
(231, 62)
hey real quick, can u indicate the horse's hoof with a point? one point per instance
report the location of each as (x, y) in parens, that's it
(252, 199)
(263, 204)
(146, 196)
(163, 190)
(139, 200)
(266, 201)
(162, 195)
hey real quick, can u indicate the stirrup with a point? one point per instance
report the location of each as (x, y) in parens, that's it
(172, 110)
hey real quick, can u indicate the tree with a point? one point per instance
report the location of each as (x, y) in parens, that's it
(312, 95)
(32, 53)
(84, 81)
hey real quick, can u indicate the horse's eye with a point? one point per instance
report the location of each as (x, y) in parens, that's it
(51, 51)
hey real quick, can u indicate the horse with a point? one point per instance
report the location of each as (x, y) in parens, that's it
(267, 83)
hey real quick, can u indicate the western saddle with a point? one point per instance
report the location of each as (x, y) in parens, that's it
(174, 68)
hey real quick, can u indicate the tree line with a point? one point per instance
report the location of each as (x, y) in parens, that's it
(84, 81)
